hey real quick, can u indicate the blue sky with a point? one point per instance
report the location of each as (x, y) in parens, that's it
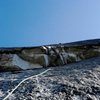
(39, 22)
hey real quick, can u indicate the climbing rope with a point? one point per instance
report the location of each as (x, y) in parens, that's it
(24, 81)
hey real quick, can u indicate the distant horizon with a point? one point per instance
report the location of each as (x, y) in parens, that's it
(50, 44)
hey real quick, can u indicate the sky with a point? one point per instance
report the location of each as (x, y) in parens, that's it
(41, 22)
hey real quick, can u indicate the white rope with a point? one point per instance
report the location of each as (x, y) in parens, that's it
(25, 80)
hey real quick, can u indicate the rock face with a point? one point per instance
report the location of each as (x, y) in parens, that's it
(77, 81)
(12, 59)
(75, 77)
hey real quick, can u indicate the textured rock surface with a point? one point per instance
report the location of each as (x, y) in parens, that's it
(13, 59)
(75, 77)
(77, 81)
